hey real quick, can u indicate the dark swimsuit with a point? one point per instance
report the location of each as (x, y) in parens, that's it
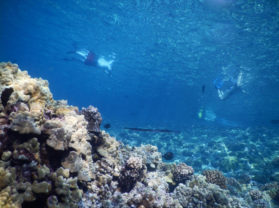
(91, 59)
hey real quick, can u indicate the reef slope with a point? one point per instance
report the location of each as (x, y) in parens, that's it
(53, 155)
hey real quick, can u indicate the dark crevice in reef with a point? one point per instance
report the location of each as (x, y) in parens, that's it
(96, 138)
(5, 96)
(52, 158)
(74, 174)
(4, 143)
(83, 186)
(83, 157)
(20, 138)
(70, 149)
(40, 199)
(96, 155)
(25, 172)
(172, 187)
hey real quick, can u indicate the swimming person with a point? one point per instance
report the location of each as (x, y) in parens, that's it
(87, 57)
(91, 59)
(228, 83)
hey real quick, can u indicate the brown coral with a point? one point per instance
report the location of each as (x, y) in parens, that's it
(182, 172)
(215, 177)
(255, 195)
(93, 117)
(132, 172)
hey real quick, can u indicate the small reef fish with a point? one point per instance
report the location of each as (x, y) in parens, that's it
(107, 126)
(168, 156)
(275, 121)
(203, 89)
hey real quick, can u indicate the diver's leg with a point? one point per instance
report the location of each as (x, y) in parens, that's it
(83, 53)
(220, 94)
(239, 81)
(228, 92)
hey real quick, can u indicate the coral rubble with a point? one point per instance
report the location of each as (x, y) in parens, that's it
(53, 155)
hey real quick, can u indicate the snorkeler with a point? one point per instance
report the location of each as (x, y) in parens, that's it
(91, 59)
(228, 83)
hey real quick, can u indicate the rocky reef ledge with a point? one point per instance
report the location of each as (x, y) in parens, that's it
(54, 155)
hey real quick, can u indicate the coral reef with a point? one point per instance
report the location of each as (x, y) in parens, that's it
(39, 136)
(248, 154)
(55, 156)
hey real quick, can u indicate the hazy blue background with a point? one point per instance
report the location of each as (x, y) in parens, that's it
(165, 51)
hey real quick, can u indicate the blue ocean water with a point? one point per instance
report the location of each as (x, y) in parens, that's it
(167, 55)
(165, 51)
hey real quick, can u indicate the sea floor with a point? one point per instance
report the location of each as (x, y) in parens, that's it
(251, 155)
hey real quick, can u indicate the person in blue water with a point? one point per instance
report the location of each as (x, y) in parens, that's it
(229, 82)
(89, 58)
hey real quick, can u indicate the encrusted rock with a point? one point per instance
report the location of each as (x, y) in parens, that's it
(24, 123)
(109, 147)
(272, 189)
(63, 172)
(255, 194)
(43, 171)
(194, 197)
(41, 188)
(58, 138)
(68, 189)
(67, 133)
(8, 199)
(196, 192)
(6, 155)
(32, 145)
(25, 192)
(73, 162)
(5, 178)
(149, 154)
(22, 155)
(52, 202)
